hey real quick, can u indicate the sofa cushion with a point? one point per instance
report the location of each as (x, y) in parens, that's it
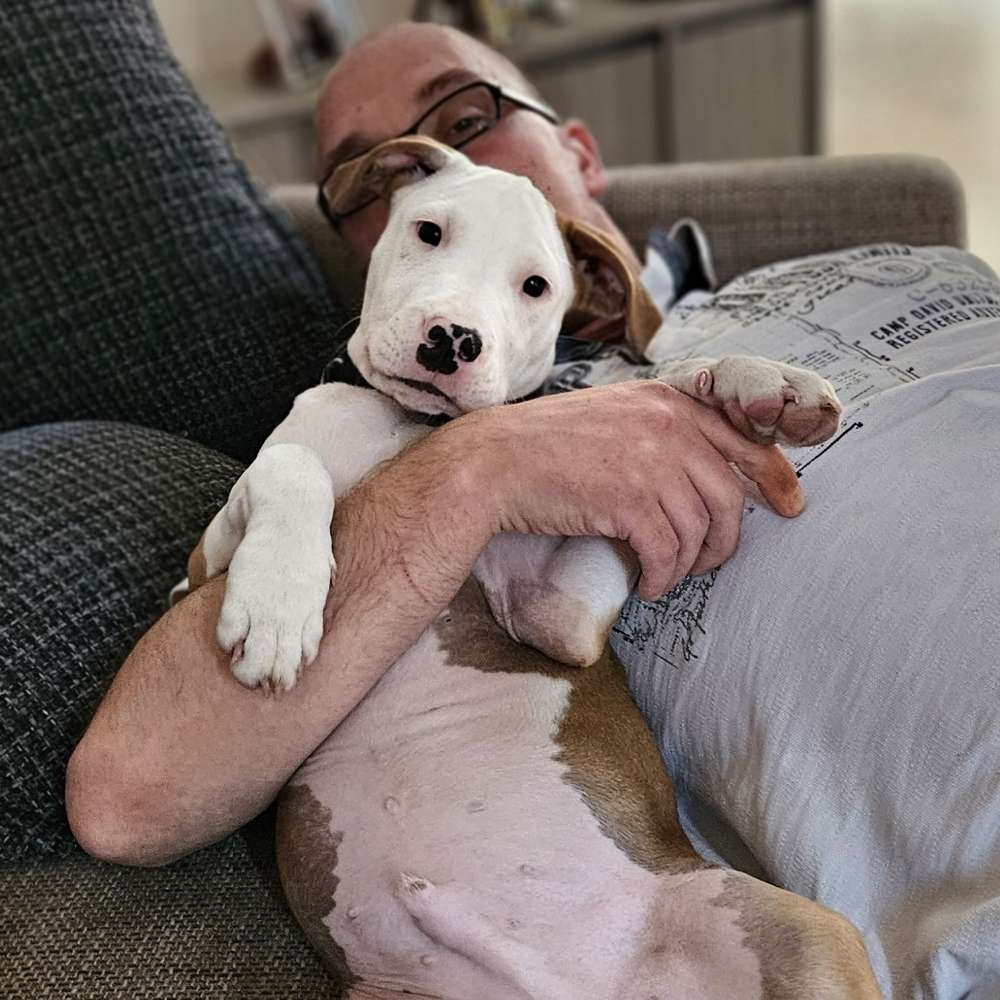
(144, 277)
(96, 523)
(213, 925)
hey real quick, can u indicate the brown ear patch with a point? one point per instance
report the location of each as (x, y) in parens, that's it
(388, 166)
(606, 287)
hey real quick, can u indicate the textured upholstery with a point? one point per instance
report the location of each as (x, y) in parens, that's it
(143, 277)
(213, 925)
(96, 523)
(754, 211)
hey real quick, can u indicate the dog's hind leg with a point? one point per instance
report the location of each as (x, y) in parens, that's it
(805, 950)
(718, 934)
(560, 595)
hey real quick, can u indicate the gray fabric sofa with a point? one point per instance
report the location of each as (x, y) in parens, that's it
(215, 925)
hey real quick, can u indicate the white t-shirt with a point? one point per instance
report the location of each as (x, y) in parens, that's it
(828, 702)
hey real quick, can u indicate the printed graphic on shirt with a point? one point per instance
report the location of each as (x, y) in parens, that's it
(667, 629)
(868, 319)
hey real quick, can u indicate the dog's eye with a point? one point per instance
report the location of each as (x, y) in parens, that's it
(430, 233)
(534, 286)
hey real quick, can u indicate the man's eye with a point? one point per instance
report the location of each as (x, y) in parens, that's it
(429, 232)
(534, 286)
(466, 125)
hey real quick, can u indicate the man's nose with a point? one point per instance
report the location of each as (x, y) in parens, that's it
(445, 348)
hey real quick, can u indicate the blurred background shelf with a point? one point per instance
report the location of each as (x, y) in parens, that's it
(656, 81)
(691, 80)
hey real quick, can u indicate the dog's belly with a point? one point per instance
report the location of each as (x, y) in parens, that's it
(449, 774)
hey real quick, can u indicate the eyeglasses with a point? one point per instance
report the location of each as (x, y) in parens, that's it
(457, 119)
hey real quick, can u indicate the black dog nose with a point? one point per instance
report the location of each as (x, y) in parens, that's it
(439, 354)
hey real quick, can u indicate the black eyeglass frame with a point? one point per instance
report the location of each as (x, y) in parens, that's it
(496, 91)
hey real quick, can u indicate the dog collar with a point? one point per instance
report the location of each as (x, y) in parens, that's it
(340, 368)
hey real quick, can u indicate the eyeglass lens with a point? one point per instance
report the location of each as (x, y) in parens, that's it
(456, 121)
(460, 118)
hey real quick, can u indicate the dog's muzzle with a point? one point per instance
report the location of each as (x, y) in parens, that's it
(445, 350)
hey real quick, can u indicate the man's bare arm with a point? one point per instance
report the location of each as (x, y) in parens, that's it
(179, 754)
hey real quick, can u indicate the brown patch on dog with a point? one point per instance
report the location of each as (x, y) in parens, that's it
(606, 287)
(610, 754)
(804, 949)
(381, 170)
(306, 849)
(197, 566)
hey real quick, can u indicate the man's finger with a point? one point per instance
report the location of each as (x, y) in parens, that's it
(765, 465)
(691, 521)
(656, 546)
(722, 492)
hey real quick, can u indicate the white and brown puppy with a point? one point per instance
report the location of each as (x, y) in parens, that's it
(490, 823)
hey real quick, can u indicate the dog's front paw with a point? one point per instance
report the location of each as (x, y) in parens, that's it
(770, 401)
(272, 614)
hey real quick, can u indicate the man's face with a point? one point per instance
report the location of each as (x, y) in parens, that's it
(385, 85)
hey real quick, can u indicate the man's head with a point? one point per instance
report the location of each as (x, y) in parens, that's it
(386, 82)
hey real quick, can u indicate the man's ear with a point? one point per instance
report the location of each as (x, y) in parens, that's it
(390, 165)
(580, 141)
(606, 288)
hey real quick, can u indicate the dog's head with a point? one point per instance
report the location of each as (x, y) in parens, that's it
(469, 284)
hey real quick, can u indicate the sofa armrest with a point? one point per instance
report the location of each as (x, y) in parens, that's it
(754, 211)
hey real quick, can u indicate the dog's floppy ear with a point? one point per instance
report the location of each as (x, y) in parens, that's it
(606, 288)
(388, 166)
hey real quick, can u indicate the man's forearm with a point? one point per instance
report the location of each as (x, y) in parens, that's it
(179, 754)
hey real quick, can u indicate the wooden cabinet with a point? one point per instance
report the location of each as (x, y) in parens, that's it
(697, 80)
(616, 94)
(674, 80)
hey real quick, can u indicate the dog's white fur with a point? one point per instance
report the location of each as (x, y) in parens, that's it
(497, 230)
(467, 863)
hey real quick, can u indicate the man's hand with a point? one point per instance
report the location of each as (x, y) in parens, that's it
(179, 754)
(637, 461)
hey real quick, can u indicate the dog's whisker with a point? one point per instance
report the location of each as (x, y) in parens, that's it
(343, 326)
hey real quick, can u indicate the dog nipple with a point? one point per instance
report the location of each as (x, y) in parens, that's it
(427, 959)
(352, 913)
(476, 806)
(392, 805)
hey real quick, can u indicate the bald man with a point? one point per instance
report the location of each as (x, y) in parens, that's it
(362, 104)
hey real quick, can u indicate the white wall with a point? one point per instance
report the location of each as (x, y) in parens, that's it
(212, 37)
(921, 76)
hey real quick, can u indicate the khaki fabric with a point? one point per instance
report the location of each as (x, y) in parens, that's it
(754, 211)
